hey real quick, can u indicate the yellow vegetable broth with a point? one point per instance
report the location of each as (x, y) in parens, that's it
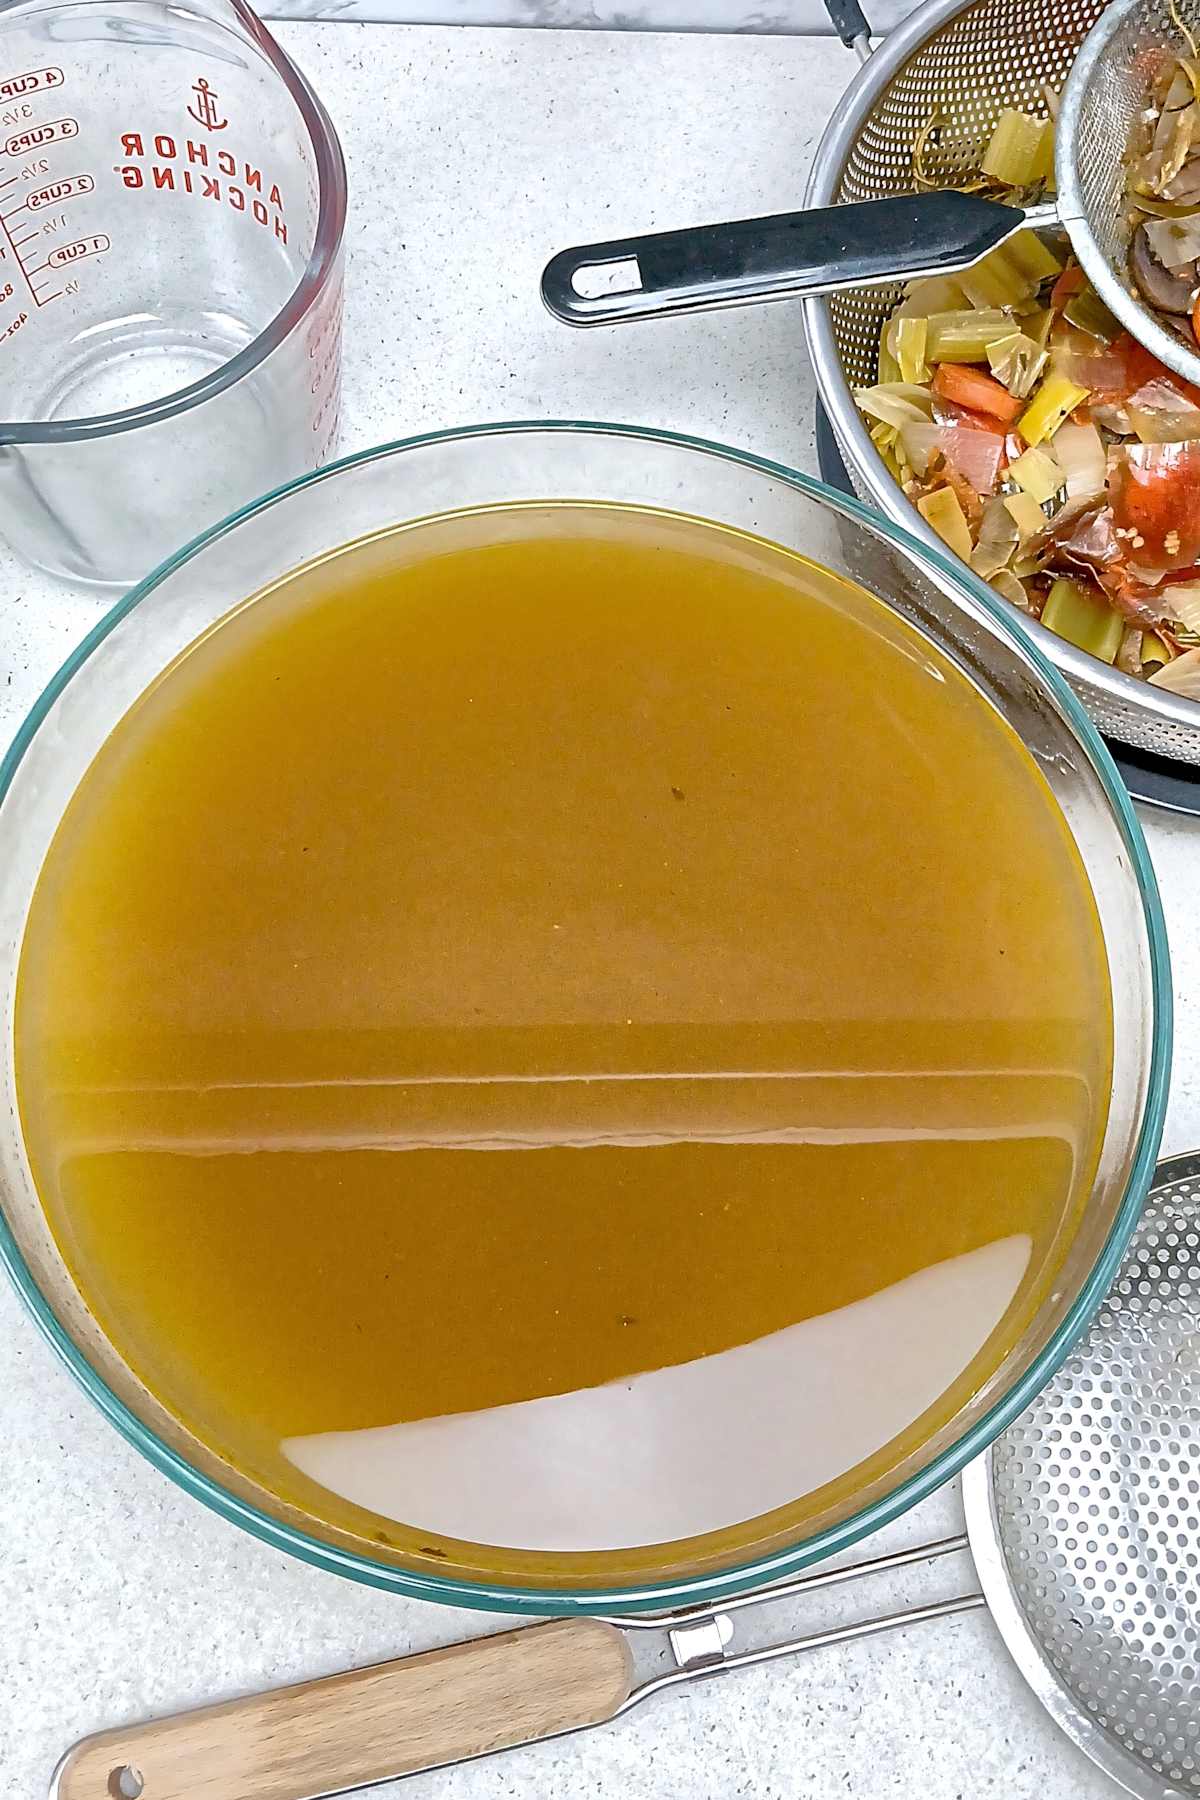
(561, 1030)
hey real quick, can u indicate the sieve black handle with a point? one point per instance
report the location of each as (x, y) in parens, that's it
(817, 252)
(849, 21)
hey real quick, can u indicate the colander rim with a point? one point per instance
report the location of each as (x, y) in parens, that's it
(1122, 693)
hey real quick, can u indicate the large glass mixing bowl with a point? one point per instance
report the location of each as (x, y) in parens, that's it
(490, 466)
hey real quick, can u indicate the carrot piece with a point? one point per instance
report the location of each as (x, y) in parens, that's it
(1071, 281)
(1196, 316)
(980, 393)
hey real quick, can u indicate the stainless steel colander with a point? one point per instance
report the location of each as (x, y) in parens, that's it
(960, 64)
(966, 62)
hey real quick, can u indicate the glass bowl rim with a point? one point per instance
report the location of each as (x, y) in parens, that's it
(711, 1585)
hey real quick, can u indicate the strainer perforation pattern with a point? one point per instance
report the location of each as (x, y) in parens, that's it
(1097, 1503)
(996, 54)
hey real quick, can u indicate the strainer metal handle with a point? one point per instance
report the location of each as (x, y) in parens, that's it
(825, 250)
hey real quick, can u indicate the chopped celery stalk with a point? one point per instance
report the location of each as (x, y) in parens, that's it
(906, 340)
(996, 281)
(1027, 515)
(1154, 652)
(895, 402)
(1038, 474)
(889, 368)
(1035, 259)
(1021, 151)
(1083, 618)
(884, 436)
(933, 293)
(942, 511)
(1055, 400)
(1087, 311)
(1017, 361)
(963, 337)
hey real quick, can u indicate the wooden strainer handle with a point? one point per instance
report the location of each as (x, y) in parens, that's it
(367, 1725)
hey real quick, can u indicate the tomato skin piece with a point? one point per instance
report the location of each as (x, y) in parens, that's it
(977, 392)
(1155, 494)
(1141, 369)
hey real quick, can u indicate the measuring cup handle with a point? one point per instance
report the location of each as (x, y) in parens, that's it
(817, 252)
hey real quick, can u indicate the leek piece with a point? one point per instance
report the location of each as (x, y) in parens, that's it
(1081, 456)
(1181, 675)
(1055, 399)
(906, 341)
(1035, 259)
(889, 368)
(1083, 618)
(1006, 583)
(918, 440)
(963, 337)
(1028, 516)
(895, 402)
(996, 542)
(942, 511)
(931, 294)
(1017, 361)
(1038, 474)
(1184, 600)
(885, 439)
(1021, 151)
(1087, 311)
(996, 281)
(1165, 209)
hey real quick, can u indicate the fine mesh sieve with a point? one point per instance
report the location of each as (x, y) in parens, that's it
(1109, 89)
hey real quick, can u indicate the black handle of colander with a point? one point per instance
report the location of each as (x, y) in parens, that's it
(849, 21)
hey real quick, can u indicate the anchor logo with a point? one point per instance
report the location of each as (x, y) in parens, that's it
(205, 110)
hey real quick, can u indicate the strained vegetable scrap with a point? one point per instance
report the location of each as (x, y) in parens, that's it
(1163, 188)
(1044, 446)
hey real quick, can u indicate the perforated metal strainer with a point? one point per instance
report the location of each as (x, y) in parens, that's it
(964, 63)
(959, 65)
(1084, 1518)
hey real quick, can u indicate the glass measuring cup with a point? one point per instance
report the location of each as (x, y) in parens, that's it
(172, 201)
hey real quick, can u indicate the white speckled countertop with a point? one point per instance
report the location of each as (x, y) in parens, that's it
(472, 155)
